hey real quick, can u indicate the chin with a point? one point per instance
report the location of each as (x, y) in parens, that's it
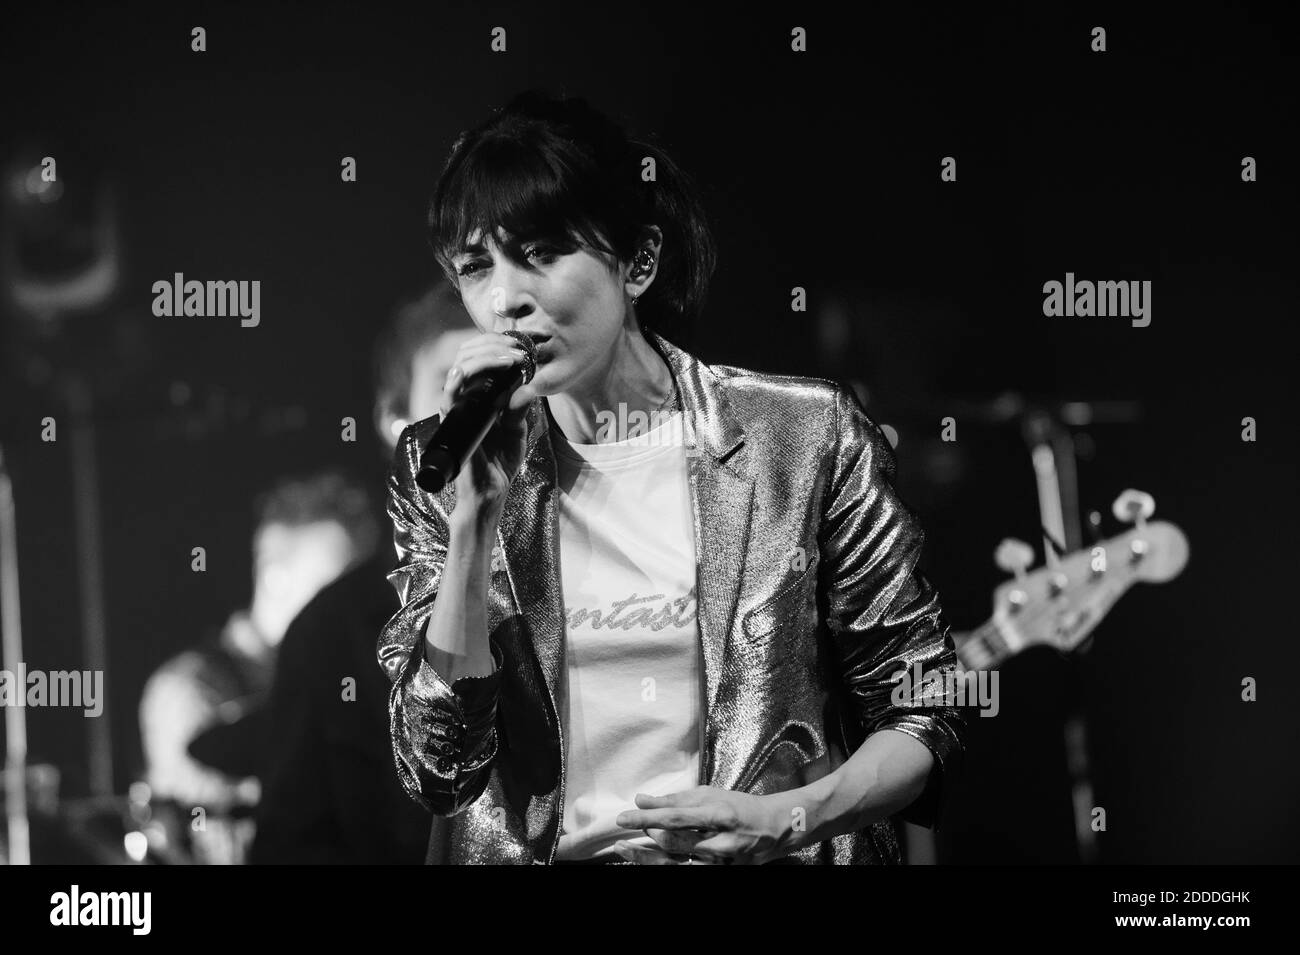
(545, 380)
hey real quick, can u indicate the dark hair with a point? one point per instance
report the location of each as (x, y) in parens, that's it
(325, 496)
(544, 165)
(411, 327)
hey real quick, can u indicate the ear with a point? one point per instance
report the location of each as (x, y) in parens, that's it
(639, 277)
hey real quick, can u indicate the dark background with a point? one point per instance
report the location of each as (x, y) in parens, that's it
(819, 170)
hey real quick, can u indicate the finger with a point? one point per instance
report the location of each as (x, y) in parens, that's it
(687, 817)
(486, 357)
(487, 340)
(683, 797)
(659, 809)
(644, 855)
(489, 347)
(723, 848)
(495, 339)
(680, 842)
(468, 366)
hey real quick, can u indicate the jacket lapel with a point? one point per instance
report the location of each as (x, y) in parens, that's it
(722, 496)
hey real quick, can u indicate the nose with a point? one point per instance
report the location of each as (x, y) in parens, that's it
(511, 294)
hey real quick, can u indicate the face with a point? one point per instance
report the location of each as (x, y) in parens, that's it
(552, 287)
(293, 563)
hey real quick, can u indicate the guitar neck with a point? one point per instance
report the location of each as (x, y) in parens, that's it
(987, 647)
(1061, 604)
(983, 648)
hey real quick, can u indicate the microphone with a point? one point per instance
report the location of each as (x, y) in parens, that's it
(479, 406)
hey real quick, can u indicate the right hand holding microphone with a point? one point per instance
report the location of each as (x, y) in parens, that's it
(484, 480)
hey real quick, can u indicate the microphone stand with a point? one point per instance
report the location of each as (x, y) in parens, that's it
(1051, 448)
(90, 578)
(15, 774)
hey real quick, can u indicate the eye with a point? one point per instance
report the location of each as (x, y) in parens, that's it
(541, 251)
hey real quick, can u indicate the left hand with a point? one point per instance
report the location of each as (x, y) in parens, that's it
(716, 826)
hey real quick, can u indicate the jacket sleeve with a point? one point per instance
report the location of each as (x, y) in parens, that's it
(883, 614)
(444, 736)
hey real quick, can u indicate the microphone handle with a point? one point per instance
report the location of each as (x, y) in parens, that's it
(468, 422)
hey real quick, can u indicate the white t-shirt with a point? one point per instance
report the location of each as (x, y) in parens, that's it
(632, 701)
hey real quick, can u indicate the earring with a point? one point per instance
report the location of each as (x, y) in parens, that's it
(644, 262)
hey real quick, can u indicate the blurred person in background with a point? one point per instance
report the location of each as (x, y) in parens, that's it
(308, 532)
(331, 792)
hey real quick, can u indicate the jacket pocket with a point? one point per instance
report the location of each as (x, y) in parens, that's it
(795, 599)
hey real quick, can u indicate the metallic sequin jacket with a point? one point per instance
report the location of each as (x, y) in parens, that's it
(808, 601)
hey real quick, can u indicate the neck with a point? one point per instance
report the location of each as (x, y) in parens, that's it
(635, 377)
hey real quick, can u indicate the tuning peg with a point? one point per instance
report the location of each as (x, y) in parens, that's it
(1094, 526)
(1014, 557)
(1134, 507)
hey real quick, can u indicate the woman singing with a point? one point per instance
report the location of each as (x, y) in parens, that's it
(658, 616)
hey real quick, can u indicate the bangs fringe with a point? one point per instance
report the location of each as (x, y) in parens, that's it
(503, 186)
